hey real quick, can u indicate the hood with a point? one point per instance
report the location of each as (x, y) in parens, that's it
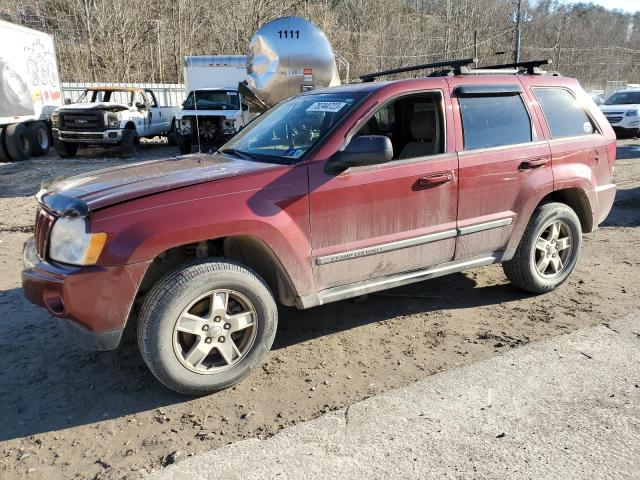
(94, 106)
(620, 108)
(106, 187)
(211, 113)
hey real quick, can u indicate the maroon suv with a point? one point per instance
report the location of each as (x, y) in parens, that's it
(329, 195)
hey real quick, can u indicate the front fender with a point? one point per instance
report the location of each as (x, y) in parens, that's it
(277, 214)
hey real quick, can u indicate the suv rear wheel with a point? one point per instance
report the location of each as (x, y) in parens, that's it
(206, 326)
(548, 251)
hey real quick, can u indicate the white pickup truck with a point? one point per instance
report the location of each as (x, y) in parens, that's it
(111, 116)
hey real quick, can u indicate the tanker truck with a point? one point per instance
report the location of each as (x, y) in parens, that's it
(29, 91)
(285, 57)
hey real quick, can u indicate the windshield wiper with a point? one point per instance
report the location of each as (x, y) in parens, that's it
(238, 153)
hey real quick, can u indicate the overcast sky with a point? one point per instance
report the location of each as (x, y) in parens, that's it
(626, 5)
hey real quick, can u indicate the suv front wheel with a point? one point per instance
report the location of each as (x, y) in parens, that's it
(548, 251)
(206, 326)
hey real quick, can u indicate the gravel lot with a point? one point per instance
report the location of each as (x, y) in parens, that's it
(75, 414)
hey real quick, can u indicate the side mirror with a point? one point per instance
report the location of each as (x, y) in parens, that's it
(141, 106)
(245, 107)
(361, 151)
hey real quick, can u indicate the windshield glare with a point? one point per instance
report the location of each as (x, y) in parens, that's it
(624, 98)
(213, 100)
(290, 129)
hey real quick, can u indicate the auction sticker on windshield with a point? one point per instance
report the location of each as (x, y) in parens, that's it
(332, 107)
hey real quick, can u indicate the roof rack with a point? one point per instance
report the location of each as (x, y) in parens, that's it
(458, 66)
(532, 67)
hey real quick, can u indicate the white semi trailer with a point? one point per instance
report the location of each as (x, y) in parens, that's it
(29, 91)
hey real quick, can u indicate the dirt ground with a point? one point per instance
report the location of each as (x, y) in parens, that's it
(75, 414)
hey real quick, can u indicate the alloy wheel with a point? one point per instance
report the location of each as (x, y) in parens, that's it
(553, 249)
(215, 332)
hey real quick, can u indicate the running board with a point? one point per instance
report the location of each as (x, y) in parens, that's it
(343, 292)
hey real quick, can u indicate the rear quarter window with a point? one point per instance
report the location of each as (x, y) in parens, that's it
(564, 114)
(493, 121)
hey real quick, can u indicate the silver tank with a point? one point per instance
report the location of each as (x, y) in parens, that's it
(287, 56)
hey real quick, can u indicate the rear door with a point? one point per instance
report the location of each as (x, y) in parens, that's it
(503, 162)
(157, 120)
(578, 147)
(373, 221)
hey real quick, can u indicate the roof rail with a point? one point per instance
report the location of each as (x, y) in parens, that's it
(532, 66)
(458, 67)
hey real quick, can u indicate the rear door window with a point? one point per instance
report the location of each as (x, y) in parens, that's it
(565, 116)
(493, 121)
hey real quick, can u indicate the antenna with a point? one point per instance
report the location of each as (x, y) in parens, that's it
(456, 65)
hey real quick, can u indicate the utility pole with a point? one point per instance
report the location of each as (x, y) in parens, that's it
(90, 39)
(516, 53)
(475, 47)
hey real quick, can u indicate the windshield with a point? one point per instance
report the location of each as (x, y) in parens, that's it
(623, 98)
(290, 129)
(125, 97)
(213, 100)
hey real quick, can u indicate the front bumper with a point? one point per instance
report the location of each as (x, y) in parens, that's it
(93, 302)
(112, 136)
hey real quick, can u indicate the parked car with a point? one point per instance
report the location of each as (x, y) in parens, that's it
(111, 116)
(29, 91)
(214, 109)
(332, 194)
(622, 110)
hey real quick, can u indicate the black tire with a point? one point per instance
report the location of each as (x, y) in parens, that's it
(172, 136)
(4, 156)
(17, 142)
(522, 271)
(129, 143)
(184, 145)
(65, 149)
(173, 293)
(40, 141)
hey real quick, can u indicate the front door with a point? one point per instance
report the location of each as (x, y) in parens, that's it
(373, 221)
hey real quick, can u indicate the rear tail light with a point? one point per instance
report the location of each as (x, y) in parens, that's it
(611, 155)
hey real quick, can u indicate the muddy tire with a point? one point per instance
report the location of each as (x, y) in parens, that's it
(4, 156)
(17, 142)
(172, 136)
(65, 149)
(184, 145)
(206, 326)
(40, 140)
(548, 251)
(129, 143)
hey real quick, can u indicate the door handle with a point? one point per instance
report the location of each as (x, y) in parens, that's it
(430, 181)
(533, 163)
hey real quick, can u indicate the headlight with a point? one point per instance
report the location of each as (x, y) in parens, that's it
(632, 113)
(229, 127)
(55, 119)
(185, 125)
(70, 242)
(112, 119)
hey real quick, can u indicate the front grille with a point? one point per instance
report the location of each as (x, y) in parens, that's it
(44, 224)
(614, 119)
(78, 136)
(82, 121)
